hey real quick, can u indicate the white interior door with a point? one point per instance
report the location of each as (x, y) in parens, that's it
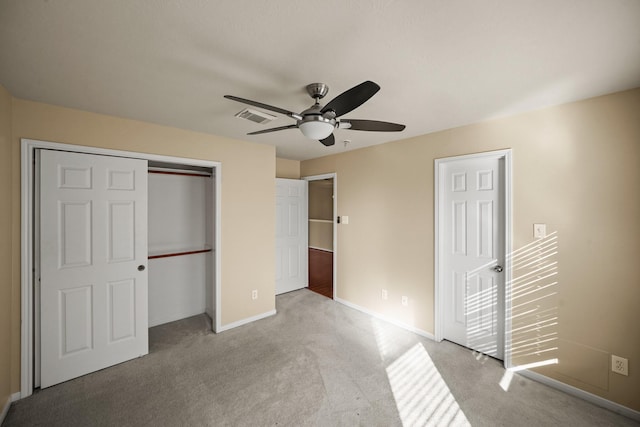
(291, 235)
(93, 278)
(473, 253)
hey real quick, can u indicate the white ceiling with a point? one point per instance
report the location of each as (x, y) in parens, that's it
(440, 64)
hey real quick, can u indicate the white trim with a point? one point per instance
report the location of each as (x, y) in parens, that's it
(585, 395)
(333, 176)
(217, 295)
(438, 244)
(387, 319)
(508, 250)
(27, 150)
(26, 270)
(5, 409)
(245, 321)
(438, 317)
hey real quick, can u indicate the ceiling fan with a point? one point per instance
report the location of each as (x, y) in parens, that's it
(318, 122)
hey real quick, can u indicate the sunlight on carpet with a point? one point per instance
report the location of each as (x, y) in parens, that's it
(505, 382)
(421, 395)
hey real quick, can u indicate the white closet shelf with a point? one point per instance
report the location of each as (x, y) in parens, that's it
(326, 221)
(171, 252)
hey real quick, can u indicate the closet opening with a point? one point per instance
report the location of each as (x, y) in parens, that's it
(172, 264)
(181, 242)
(321, 236)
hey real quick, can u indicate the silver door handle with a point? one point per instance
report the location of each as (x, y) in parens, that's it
(498, 269)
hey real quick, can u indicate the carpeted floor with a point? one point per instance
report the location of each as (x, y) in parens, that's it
(316, 363)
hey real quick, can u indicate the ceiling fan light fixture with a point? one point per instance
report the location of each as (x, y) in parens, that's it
(318, 122)
(316, 129)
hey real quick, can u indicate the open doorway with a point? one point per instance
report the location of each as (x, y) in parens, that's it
(321, 209)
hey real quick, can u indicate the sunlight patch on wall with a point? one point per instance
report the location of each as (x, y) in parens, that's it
(534, 298)
(421, 395)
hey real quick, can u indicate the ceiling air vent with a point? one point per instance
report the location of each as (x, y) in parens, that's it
(256, 116)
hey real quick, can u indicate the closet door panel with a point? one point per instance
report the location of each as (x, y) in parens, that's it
(93, 238)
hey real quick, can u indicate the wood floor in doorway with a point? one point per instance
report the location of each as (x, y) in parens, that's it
(321, 272)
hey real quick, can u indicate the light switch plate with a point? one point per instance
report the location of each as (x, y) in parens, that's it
(344, 219)
(539, 231)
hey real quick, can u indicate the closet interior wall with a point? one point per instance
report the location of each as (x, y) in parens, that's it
(181, 236)
(321, 237)
(321, 215)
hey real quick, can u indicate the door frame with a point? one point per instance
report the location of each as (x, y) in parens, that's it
(439, 191)
(28, 265)
(333, 176)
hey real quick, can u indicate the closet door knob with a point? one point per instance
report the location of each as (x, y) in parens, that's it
(141, 268)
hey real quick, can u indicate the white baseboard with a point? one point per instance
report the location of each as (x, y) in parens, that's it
(7, 405)
(388, 319)
(589, 397)
(232, 325)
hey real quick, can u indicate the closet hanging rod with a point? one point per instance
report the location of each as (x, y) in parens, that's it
(185, 173)
(172, 254)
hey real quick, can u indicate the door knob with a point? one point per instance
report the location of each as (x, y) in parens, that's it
(141, 268)
(498, 269)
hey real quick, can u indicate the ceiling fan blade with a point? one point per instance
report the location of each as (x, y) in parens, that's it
(371, 125)
(265, 106)
(328, 141)
(272, 129)
(352, 98)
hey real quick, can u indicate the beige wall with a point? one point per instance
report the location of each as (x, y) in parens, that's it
(248, 195)
(286, 168)
(5, 247)
(576, 167)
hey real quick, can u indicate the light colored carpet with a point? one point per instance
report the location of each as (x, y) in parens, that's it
(316, 363)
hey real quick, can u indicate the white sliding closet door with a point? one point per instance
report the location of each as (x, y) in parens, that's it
(292, 235)
(93, 245)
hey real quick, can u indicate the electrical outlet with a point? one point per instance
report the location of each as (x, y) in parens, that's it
(405, 300)
(619, 365)
(385, 295)
(254, 294)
